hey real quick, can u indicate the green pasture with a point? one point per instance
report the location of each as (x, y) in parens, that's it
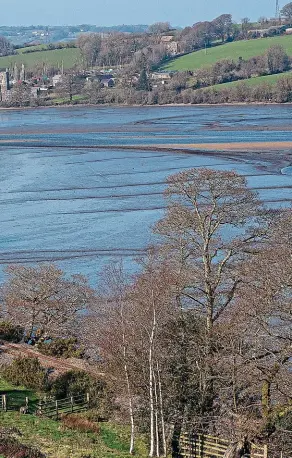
(269, 79)
(68, 56)
(57, 441)
(245, 49)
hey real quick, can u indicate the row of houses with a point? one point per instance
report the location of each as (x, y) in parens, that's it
(104, 80)
(41, 85)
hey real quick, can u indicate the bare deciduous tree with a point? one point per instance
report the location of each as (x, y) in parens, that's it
(44, 301)
(211, 222)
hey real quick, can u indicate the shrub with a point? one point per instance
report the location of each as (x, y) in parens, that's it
(72, 383)
(62, 348)
(80, 423)
(100, 413)
(11, 332)
(27, 372)
(75, 383)
(10, 447)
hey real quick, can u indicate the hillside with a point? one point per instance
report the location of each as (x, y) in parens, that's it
(268, 79)
(69, 57)
(58, 441)
(245, 49)
(10, 351)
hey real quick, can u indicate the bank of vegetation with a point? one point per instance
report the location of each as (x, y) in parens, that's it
(198, 341)
(159, 66)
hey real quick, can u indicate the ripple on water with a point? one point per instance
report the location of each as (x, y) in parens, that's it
(287, 170)
(64, 199)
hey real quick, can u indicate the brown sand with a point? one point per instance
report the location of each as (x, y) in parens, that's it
(235, 146)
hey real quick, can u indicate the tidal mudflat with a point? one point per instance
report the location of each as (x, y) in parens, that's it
(84, 185)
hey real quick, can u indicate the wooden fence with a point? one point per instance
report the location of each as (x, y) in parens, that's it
(259, 451)
(10, 402)
(48, 408)
(206, 446)
(55, 408)
(201, 446)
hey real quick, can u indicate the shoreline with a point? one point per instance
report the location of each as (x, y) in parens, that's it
(180, 105)
(262, 155)
(272, 156)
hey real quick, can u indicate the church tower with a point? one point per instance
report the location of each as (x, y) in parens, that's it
(4, 85)
(22, 73)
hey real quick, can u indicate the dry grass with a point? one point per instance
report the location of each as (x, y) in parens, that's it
(80, 424)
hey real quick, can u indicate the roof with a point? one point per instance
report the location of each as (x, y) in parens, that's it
(167, 38)
(103, 80)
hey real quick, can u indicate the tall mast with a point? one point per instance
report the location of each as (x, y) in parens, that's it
(277, 10)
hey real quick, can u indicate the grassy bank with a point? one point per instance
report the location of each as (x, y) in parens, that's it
(252, 82)
(68, 56)
(56, 441)
(245, 49)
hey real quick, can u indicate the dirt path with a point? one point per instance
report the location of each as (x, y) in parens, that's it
(59, 365)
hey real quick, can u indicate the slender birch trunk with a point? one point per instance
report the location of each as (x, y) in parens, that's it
(161, 412)
(130, 398)
(151, 400)
(151, 385)
(156, 414)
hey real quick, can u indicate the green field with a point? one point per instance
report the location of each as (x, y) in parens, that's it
(270, 79)
(69, 57)
(56, 441)
(18, 394)
(245, 49)
(30, 48)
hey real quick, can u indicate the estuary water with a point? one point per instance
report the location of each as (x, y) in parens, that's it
(81, 186)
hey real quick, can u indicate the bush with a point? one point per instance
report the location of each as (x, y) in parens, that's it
(62, 348)
(80, 423)
(10, 447)
(11, 332)
(75, 383)
(27, 372)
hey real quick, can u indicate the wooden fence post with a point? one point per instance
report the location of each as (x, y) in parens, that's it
(72, 404)
(26, 403)
(202, 445)
(4, 402)
(87, 398)
(265, 451)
